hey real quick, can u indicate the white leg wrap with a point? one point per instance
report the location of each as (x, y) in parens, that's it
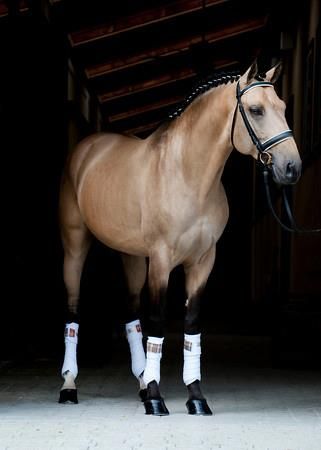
(154, 355)
(71, 340)
(192, 358)
(135, 341)
(69, 381)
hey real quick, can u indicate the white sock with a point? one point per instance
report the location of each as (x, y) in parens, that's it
(71, 340)
(192, 357)
(154, 355)
(135, 341)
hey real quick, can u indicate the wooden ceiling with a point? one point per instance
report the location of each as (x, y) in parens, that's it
(140, 64)
(140, 58)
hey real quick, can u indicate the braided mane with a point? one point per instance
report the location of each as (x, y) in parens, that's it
(204, 85)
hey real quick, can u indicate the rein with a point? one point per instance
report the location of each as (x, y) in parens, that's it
(265, 157)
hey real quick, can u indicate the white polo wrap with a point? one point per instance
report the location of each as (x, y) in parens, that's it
(153, 357)
(135, 341)
(192, 358)
(71, 341)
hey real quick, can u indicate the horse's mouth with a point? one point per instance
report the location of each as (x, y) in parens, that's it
(281, 177)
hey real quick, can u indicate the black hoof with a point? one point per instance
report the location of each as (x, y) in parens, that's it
(156, 407)
(68, 396)
(143, 395)
(198, 407)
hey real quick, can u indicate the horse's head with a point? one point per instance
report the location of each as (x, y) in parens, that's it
(260, 128)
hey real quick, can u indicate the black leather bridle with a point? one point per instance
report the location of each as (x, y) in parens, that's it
(265, 157)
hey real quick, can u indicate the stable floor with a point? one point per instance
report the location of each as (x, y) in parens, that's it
(255, 406)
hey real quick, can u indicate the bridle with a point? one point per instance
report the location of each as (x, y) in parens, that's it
(265, 157)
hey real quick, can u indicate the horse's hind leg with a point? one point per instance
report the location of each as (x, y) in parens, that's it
(196, 278)
(76, 241)
(135, 272)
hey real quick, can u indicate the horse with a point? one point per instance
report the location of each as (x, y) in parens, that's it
(160, 203)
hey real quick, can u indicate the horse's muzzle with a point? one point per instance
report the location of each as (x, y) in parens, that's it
(289, 175)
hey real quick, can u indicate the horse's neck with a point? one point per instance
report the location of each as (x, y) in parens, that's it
(203, 137)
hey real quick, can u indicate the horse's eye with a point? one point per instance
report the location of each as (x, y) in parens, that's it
(256, 110)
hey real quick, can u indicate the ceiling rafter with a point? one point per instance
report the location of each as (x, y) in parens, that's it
(141, 86)
(21, 6)
(169, 101)
(179, 46)
(141, 64)
(139, 20)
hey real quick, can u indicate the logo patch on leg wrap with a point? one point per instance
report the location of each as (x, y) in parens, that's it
(70, 332)
(138, 328)
(190, 345)
(154, 348)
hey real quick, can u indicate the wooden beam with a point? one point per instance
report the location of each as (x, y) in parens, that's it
(146, 85)
(3, 9)
(181, 45)
(139, 20)
(169, 78)
(21, 6)
(145, 108)
(249, 26)
(144, 57)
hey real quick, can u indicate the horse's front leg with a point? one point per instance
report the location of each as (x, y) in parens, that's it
(158, 274)
(196, 278)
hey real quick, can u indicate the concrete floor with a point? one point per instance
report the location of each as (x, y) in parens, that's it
(255, 406)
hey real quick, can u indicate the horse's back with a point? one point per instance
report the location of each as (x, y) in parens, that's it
(91, 150)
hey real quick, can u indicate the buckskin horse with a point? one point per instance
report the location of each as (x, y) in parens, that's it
(160, 202)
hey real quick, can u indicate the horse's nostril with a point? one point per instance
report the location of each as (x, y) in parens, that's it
(291, 172)
(289, 167)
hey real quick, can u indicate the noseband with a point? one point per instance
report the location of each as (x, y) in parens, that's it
(265, 157)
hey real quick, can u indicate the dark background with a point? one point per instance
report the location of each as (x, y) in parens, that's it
(34, 114)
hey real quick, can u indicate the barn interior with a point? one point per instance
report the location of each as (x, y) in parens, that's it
(73, 68)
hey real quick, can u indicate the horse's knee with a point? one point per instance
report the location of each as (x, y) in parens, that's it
(156, 326)
(192, 317)
(192, 325)
(157, 313)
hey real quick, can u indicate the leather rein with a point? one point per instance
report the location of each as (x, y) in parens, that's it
(265, 157)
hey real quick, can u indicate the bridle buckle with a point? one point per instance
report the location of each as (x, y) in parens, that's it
(265, 158)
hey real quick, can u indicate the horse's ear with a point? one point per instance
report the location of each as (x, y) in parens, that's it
(273, 74)
(249, 75)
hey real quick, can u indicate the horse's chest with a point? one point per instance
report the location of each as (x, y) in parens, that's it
(194, 241)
